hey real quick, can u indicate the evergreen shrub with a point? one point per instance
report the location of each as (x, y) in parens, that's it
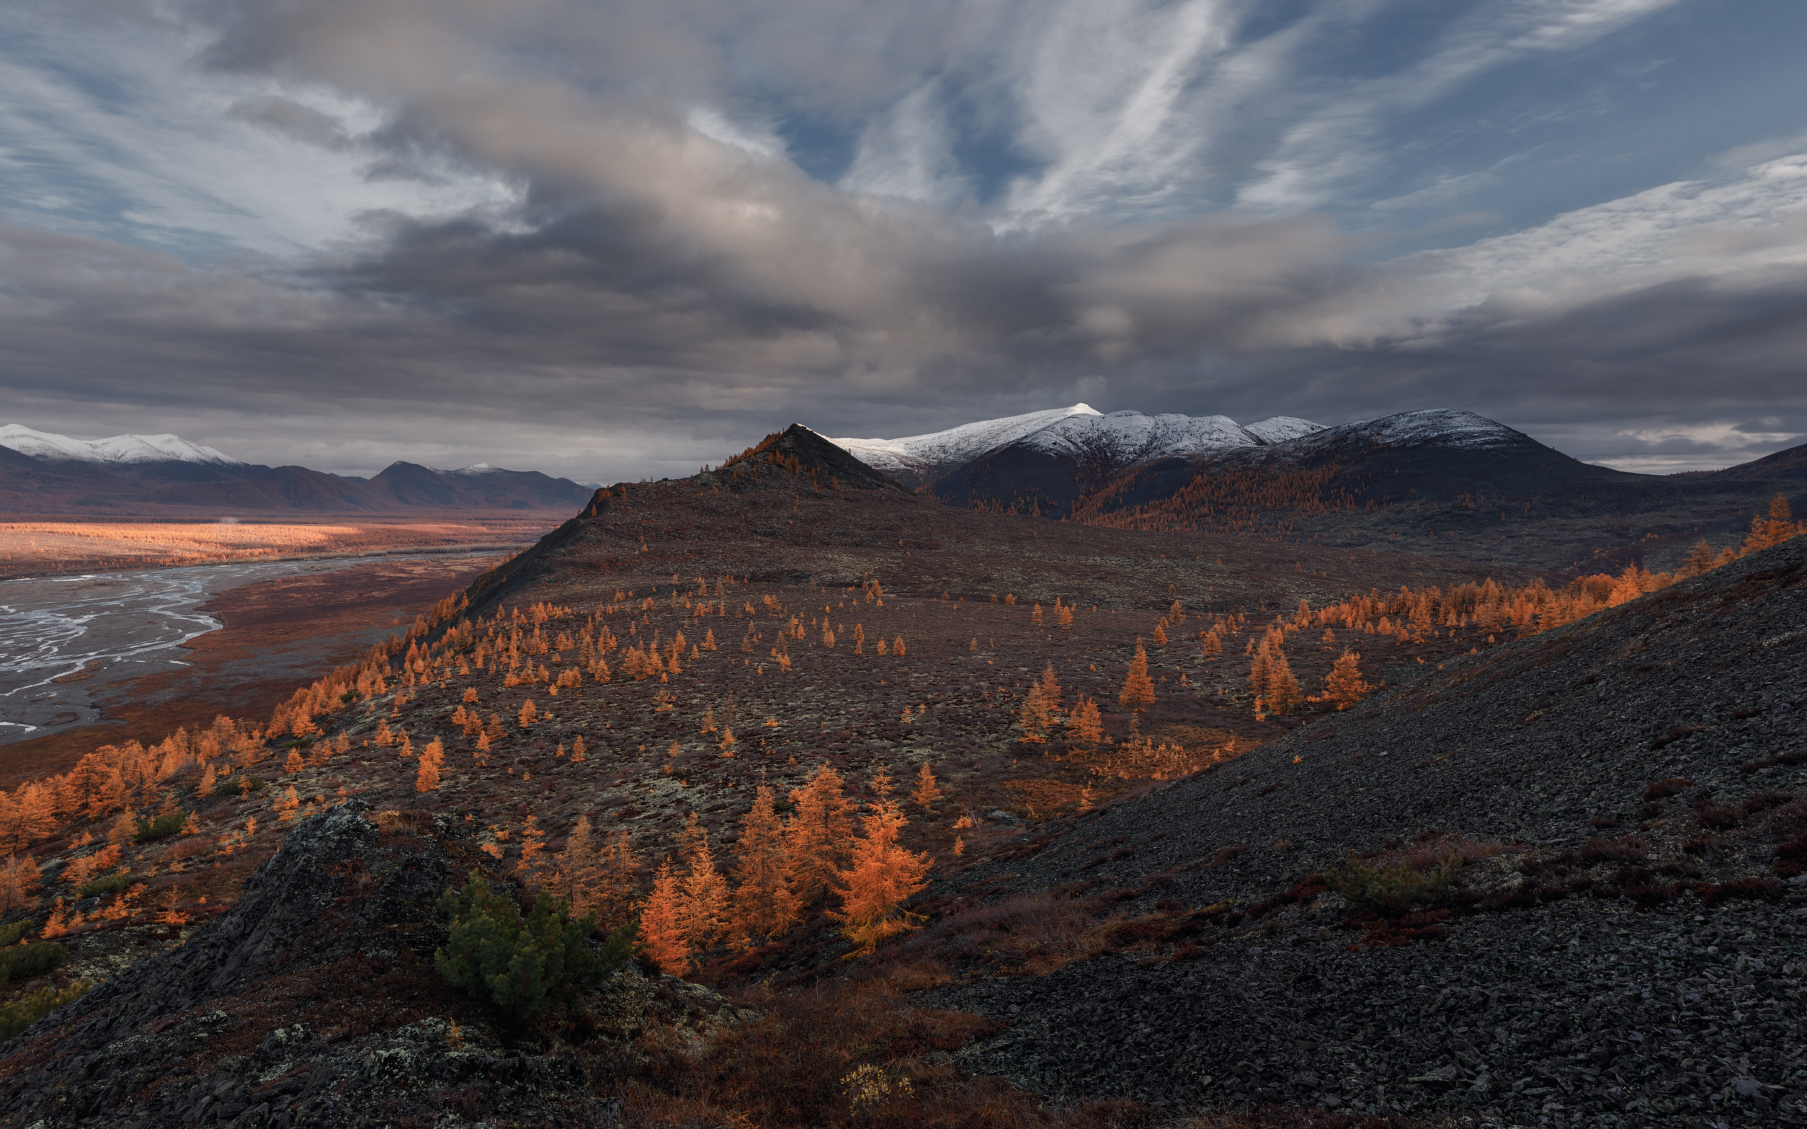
(515, 962)
(1393, 887)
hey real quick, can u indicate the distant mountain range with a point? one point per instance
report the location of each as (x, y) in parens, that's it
(152, 475)
(1051, 460)
(1437, 481)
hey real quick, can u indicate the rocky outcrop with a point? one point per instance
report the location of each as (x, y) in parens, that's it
(314, 1001)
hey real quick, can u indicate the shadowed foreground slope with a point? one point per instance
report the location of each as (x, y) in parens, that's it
(1626, 945)
(314, 1002)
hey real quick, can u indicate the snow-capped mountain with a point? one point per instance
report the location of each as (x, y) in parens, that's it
(1445, 427)
(120, 450)
(1081, 431)
(923, 456)
(1282, 429)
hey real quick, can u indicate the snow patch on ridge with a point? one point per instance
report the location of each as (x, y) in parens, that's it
(1126, 437)
(1282, 429)
(1445, 427)
(1080, 431)
(944, 450)
(118, 450)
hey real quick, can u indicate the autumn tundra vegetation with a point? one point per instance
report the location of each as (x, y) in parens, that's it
(745, 781)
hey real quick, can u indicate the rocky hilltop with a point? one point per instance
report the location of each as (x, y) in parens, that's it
(314, 1001)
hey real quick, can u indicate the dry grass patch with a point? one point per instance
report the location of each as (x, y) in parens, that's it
(833, 1054)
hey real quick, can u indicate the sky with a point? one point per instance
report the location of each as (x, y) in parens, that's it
(612, 239)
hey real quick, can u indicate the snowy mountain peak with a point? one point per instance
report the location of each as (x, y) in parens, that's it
(118, 450)
(1080, 431)
(475, 468)
(924, 456)
(1445, 427)
(1280, 429)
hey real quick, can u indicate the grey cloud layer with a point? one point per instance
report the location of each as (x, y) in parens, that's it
(644, 296)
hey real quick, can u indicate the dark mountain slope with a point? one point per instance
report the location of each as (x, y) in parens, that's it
(1599, 1009)
(187, 491)
(287, 488)
(516, 489)
(1528, 741)
(797, 509)
(1436, 456)
(1788, 464)
(410, 484)
(32, 485)
(803, 451)
(1026, 477)
(1436, 481)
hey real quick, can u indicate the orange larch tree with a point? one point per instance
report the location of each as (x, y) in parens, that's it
(705, 915)
(1344, 686)
(1138, 688)
(817, 833)
(927, 790)
(1086, 725)
(764, 906)
(576, 875)
(1778, 527)
(662, 928)
(882, 876)
(426, 778)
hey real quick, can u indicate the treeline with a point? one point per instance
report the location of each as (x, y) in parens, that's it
(1411, 615)
(781, 869)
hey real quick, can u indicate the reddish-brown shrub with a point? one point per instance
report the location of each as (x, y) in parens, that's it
(1643, 888)
(1626, 848)
(1716, 817)
(803, 1060)
(1674, 735)
(1224, 855)
(1791, 857)
(1665, 788)
(190, 848)
(1763, 801)
(1380, 931)
(1759, 889)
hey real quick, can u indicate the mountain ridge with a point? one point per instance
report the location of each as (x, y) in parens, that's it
(117, 449)
(1079, 431)
(189, 489)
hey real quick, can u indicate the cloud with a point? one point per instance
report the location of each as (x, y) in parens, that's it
(108, 128)
(1323, 151)
(607, 239)
(907, 153)
(294, 120)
